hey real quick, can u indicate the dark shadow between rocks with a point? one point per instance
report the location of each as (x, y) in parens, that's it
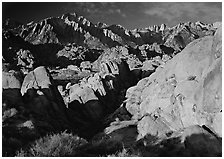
(196, 145)
(103, 144)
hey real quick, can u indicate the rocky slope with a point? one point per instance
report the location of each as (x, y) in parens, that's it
(185, 92)
(95, 80)
(179, 104)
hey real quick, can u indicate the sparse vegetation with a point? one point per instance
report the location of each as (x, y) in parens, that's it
(60, 145)
(124, 153)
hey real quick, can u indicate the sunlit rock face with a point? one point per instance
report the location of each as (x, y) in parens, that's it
(11, 84)
(186, 92)
(99, 94)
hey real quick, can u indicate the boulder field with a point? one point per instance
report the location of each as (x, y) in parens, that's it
(156, 90)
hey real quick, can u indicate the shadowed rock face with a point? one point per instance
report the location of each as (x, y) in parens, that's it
(189, 142)
(98, 95)
(42, 95)
(31, 109)
(186, 92)
(11, 84)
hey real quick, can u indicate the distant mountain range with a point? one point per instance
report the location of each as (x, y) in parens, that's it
(71, 28)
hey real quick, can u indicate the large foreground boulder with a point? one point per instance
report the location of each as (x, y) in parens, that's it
(11, 84)
(193, 141)
(185, 92)
(43, 98)
(83, 100)
(17, 126)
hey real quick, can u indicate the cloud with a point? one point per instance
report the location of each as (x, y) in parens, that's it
(117, 11)
(143, 14)
(94, 9)
(174, 12)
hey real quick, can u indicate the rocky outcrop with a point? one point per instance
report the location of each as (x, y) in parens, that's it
(16, 125)
(85, 66)
(191, 141)
(11, 79)
(25, 60)
(182, 34)
(11, 84)
(99, 94)
(185, 92)
(41, 96)
(74, 54)
(198, 141)
(31, 109)
(83, 97)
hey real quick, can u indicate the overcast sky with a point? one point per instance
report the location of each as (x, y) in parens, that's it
(129, 14)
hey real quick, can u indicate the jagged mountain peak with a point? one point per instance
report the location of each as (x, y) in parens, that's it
(69, 14)
(101, 25)
(74, 28)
